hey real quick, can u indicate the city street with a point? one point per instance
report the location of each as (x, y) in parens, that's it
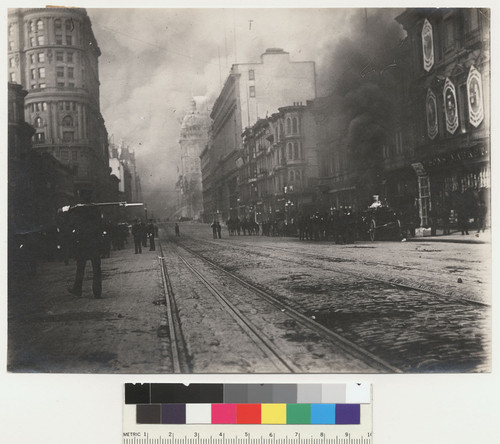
(257, 304)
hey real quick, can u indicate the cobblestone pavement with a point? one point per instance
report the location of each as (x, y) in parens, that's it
(49, 330)
(445, 330)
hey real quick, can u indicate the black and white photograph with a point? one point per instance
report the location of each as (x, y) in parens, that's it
(249, 190)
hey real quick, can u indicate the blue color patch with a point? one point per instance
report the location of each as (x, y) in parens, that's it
(322, 413)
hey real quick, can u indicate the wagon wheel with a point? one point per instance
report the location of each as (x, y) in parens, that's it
(371, 229)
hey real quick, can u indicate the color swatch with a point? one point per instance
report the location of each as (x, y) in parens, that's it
(247, 403)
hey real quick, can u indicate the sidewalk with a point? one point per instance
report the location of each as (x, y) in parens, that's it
(456, 237)
(50, 330)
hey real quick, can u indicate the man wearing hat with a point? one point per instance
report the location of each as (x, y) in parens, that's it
(85, 220)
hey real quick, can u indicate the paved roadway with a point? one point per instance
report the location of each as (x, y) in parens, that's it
(440, 330)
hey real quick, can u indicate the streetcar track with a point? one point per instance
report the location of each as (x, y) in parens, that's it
(281, 362)
(338, 340)
(392, 283)
(178, 348)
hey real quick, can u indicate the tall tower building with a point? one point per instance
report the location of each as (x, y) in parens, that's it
(53, 54)
(194, 137)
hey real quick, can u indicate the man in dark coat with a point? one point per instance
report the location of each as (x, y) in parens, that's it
(138, 231)
(151, 235)
(85, 220)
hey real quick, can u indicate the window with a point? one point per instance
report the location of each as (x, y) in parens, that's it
(44, 106)
(69, 25)
(449, 38)
(69, 57)
(68, 136)
(12, 77)
(251, 74)
(295, 125)
(38, 122)
(69, 40)
(71, 85)
(41, 57)
(296, 151)
(39, 137)
(11, 45)
(67, 106)
(64, 155)
(32, 26)
(71, 72)
(40, 40)
(60, 71)
(41, 73)
(59, 56)
(252, 91)
(39, 25)
(32, 41)
(37, 106)
(58, 39)
(32, 58)
(57, 24)
(33, 74)
(67, 121)
(61, 84)
(60, 105)
(471, 20)
(292, 176)
(74, 155)
(288, 125)
(399, 142)
(11, 30)
(290, 151)
(12, 62)
(42, 85)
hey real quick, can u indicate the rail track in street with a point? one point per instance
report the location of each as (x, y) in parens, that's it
(281, 360)
(328, 265)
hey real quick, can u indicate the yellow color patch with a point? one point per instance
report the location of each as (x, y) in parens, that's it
(273, 413)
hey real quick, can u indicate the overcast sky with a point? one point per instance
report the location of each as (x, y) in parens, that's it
(154, 60)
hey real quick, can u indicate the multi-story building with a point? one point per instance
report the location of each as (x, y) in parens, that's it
(195, 132)
(38, 184)
(53, 53)
(280, 167)
(251, 91)
(445, 111)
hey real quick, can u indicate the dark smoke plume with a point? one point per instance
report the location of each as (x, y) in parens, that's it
(363, 77)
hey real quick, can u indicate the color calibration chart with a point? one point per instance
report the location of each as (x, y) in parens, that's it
(247, 414)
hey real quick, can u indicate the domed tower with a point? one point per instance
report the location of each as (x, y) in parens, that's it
(53, 54)
(194, 136)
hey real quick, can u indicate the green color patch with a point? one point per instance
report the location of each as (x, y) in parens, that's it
(298, 413)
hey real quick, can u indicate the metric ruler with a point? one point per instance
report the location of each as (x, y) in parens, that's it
(247, 434)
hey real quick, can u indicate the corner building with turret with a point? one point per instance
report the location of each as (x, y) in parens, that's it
(53, 54)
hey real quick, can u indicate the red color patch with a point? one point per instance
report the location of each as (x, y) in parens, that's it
(248, 414)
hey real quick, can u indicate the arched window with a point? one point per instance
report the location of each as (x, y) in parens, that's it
(38, 122)
(295, 125)
(67, 121)
(57, 24)
(296, 151)
(32, 26)
(288, 125)
(290, 150)
(281, 129)
(39, 25)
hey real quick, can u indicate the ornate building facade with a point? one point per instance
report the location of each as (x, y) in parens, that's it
(53, 54)
(194, 136)
(251, 92)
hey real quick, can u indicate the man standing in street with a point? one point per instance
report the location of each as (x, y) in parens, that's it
(177, 231)
(151, 235)
(138, 233)
(85, 220)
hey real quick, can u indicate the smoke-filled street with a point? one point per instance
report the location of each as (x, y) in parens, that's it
(260, 304)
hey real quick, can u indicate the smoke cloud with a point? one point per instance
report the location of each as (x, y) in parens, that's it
(155, 60)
